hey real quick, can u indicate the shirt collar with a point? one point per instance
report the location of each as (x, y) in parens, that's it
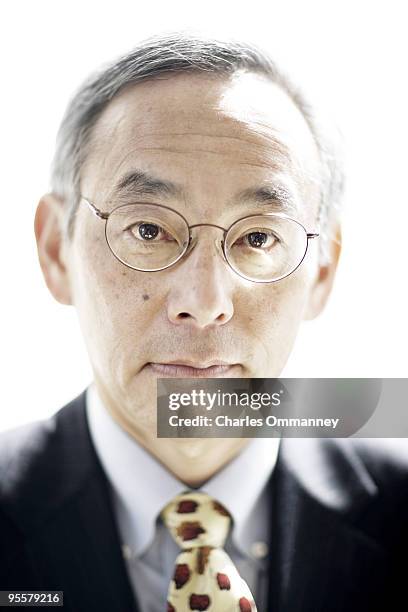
(131, 471)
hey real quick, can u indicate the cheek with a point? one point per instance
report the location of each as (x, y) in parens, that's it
(115, 304)
(274, 314)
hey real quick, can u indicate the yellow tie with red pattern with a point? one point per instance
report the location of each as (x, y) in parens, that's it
(205, 577)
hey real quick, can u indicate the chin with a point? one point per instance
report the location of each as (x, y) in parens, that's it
(192, 448)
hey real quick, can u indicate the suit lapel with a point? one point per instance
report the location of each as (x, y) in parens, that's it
(320, 560)
(73, 541)
(80, 552)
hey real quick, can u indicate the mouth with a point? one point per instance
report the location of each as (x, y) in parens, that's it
(182, 369)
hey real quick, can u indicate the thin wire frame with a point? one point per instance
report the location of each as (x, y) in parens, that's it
(190, 244)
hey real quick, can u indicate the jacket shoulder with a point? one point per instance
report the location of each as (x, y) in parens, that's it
(386, 459)
(42, 462)
(20, 448)
(348, 474)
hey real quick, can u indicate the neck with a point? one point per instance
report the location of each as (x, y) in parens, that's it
(192, 460)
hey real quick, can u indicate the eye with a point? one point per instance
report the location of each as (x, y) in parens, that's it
(259, 240)
(148, 232)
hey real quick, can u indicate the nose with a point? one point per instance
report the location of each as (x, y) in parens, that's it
(201, 293)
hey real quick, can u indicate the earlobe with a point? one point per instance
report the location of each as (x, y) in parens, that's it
(48, 228)
(323, 284)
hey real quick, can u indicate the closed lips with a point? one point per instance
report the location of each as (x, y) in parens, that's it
(189, 370)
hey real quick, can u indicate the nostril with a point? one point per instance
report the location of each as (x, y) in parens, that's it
(221, 318)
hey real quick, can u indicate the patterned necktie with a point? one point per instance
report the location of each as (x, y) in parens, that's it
(205, 577)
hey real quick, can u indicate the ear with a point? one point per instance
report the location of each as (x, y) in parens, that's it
(48, 228)
(323, 283)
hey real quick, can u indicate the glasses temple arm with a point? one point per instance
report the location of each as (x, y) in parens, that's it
(94, 210)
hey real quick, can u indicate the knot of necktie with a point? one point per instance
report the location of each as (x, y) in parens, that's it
(195, 519)
(204, 576)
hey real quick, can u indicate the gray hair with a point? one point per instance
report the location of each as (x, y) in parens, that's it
(182, 53)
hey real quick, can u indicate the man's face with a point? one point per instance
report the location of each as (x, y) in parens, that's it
(213, 138)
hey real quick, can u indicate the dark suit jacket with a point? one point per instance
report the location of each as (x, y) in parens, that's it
(339, 521)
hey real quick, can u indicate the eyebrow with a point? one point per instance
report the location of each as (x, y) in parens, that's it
(277, 195)
(139, 183)
(273, 194)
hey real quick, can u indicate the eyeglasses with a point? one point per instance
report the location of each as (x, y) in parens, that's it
(152, 237)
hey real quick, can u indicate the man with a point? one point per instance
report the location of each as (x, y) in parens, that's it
(192, 223)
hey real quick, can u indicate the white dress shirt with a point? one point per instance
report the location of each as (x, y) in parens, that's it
(141, 487)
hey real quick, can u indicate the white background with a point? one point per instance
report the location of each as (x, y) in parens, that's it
(352, 55)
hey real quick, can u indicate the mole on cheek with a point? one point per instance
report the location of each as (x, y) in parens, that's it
(145, 297)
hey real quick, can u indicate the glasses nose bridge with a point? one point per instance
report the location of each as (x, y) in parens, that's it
(193, 242)
(223, 229)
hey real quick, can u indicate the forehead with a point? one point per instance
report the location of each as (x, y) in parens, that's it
(205, 132)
